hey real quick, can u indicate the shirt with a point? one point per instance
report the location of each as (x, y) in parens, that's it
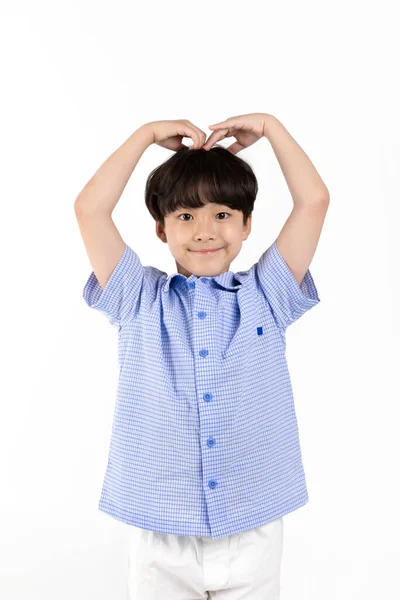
(204, 438)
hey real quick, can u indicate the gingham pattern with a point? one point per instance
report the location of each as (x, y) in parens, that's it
(204, 439)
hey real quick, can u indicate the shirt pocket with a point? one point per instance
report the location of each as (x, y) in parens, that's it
(244, 342)
(259, 341)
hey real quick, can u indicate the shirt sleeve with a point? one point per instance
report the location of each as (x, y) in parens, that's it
(120, 298)
(288, 300)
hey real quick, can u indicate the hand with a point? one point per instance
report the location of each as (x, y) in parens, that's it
(169, 134)
(247, 129)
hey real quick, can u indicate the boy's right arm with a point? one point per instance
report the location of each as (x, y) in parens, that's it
(96, 202)
(103, 242)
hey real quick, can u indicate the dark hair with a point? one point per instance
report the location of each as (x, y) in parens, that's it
(191, 178)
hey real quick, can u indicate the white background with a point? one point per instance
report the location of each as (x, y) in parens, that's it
(77, 79)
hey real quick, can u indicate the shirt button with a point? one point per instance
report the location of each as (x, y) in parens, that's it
(212, 484)
(210, 442)
(207, 397)
(203, 352)
(192, 284)
(201, 314)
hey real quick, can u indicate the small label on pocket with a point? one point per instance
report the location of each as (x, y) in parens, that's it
(259, 330)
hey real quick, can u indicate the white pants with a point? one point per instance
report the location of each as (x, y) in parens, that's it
(244, 566)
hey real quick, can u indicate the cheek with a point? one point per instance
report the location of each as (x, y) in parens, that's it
(233, 233)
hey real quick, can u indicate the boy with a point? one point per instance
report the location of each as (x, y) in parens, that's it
(204, 458)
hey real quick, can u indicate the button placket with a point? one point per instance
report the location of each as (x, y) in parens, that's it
(202, 314)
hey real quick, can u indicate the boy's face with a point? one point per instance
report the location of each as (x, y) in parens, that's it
(211, 226)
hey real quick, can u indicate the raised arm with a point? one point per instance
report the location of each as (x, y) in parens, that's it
(96, 202)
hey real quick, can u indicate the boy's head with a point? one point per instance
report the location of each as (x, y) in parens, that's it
(202, 199)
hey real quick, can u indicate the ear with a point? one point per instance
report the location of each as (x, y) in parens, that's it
(160, 232)
(247, 228)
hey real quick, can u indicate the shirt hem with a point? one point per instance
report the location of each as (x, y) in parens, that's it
(195, 529)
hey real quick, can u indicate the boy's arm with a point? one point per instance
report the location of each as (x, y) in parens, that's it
(104, 189)
(96, 202)
(103, 242)
(298, 239)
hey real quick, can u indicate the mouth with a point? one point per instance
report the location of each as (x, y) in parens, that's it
(207, 251)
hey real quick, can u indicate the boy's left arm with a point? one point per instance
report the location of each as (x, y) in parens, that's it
(298, 239)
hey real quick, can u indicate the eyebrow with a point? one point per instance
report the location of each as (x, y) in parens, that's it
(200, 207)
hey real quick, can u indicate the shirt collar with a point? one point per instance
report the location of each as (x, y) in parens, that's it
(227, 280)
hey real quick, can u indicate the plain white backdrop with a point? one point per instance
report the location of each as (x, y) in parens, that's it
(77, 79)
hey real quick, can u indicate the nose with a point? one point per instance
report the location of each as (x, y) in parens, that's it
(204, 231)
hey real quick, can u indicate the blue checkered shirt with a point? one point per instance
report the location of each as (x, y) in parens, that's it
(204, 439)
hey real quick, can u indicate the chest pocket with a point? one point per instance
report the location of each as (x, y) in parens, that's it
(252, 340)
(255, 333)
(256, 337)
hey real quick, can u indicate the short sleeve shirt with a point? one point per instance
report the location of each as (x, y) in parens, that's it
(204, 439)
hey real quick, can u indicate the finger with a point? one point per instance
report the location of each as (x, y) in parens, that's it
(187, 129)
(219, 124)
(230, 124)
(209, 143)
(212, 141)
(194, 136)
(214, 137)
(199, 138)
(227, 123)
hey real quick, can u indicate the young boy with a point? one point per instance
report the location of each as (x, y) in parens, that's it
(204, 458)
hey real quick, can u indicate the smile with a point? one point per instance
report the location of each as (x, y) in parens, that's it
(205, 251)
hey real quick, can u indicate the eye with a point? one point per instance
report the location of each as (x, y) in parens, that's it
(184, 214)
